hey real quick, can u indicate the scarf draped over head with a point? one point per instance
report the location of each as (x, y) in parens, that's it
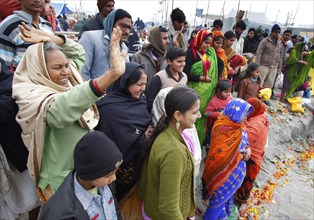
(237, 60)
(224, 152)
(122, 118)
(195, 46)
(111, 19)
(34, 92)
(178, 38)
(155, 40)
(119, 84)
(257, 129)
(221, 54)
(298, 72)
(217, 33)
(109, 22)
(258, 107)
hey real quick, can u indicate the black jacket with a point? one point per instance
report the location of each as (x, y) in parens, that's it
(64, 204)
(92, 24)
(10, 131)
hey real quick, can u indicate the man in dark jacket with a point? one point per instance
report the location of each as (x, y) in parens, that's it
(85, 192)
(10, 131)
(104, 7)
(153, 55)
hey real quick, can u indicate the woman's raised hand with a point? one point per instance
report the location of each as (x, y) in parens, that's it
(117, 62)
(32, 35)
(117, 57)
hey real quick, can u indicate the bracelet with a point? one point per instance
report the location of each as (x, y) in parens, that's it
(97, 87)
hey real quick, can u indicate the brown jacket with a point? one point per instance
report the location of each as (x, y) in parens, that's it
(269, 54)
(248, 88)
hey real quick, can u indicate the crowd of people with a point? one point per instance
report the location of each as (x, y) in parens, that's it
(87, 126)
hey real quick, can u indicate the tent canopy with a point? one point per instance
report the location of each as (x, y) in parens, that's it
(61, 8)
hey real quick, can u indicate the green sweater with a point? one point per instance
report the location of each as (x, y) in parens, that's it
(62, 131)
(167, 181)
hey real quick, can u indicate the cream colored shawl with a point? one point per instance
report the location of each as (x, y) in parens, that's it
(34, 92)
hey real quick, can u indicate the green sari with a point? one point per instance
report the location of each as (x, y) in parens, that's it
(298, 72)
(205, 90)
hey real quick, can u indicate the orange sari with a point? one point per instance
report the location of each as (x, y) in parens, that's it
(224, 154)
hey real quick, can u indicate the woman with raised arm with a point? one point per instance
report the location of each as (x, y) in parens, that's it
(56, 106)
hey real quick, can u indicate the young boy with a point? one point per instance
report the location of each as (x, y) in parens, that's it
(85, 194)
(169, 77)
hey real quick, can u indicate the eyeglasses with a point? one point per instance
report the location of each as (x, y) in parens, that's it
(124, 27)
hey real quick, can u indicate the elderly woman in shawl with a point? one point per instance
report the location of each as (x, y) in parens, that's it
(124, 118)
(225, 166)
(297, 69)
(202, 71)
(56, 106)
(256, 127)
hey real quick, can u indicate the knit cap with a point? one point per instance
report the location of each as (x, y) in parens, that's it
(259, 30)
(95, 156)
(275, 28)
(120, 14)
(102, 3)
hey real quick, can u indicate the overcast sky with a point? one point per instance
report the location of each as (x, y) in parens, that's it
(302, 10)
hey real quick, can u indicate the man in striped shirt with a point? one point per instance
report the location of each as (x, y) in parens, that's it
(12, 47)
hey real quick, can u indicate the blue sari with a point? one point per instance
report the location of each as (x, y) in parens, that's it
(221, 201)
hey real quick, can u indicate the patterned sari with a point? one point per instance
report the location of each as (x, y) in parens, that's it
(224, 168)
(205, 90)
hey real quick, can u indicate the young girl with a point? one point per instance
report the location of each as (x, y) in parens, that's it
(234, 60)
(167, 183)
(218, 39)
(216, 106)
(250, 84)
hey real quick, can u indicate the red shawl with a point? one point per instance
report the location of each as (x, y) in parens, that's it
(196, 44)
(257, 130)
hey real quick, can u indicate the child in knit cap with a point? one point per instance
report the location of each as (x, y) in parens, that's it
(85, 193)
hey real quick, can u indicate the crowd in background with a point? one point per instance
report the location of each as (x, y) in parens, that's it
(118, 121)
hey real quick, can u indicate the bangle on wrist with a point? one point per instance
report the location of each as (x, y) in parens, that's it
(97, 87)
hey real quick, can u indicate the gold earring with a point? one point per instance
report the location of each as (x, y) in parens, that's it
(178, 125)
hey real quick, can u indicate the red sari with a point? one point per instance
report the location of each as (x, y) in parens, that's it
(257, 130)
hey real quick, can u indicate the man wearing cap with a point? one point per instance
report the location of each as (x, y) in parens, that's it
(96, 43)
(258, 37)
(85, 192)
(153, 55)
(268, 56)
(104, 7)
